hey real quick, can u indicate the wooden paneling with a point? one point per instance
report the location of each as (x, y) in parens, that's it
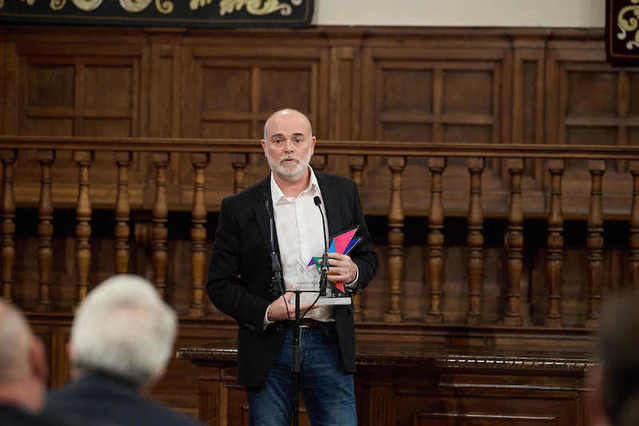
(496, 86)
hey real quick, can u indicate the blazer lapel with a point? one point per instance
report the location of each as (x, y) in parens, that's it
(331, 205)
(262, 197)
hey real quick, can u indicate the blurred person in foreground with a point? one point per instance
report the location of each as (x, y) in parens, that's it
(614, 384)
(23, 372)
(121, 341)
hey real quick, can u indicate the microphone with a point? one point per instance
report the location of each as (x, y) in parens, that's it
(324, 268)
(277, 284)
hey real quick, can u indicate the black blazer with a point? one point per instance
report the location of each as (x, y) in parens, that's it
(102, 399)
(11, 415)
(239, 279)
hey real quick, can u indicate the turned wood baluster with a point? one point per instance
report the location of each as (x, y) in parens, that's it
(8, 226)
(475, 241)
(514, 243)
(634, 227)
(198, 233)
(159, 219)
(395, 240)
(555, 245)
(595, 241)
(45, 229)
(356, 164)
(238, 162)
(83, 224)
(122, 212)
(434, 315)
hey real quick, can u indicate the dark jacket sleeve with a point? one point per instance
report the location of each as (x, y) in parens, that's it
(227, 287)
(363, 254)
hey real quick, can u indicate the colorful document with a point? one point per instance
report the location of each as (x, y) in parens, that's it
(343, 243)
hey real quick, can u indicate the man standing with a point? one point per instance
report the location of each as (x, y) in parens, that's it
(278, 222)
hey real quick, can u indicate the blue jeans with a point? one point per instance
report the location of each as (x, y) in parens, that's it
(329, 392)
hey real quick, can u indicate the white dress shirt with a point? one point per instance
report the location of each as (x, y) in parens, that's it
(298, 223)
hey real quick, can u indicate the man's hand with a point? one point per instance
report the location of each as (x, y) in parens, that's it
(283, 308)
(341, 268)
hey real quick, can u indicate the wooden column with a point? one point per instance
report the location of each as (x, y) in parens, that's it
(198, 233)
(433, 314)
(356, 165)
(8, 213)
(395, 240)
(122, 213)
(238, 162)
(83, 224)
(475, 241)
(45, 229)
(633, 260)
(159, 219)
(555, 245)
(595, 241)
(514, 243)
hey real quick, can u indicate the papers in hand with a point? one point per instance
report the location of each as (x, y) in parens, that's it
(343, 243)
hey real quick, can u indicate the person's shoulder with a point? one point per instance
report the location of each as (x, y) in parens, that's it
(171, 416)
(256, 191)
(332, 179)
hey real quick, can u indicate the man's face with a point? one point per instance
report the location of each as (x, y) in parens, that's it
(289, 145)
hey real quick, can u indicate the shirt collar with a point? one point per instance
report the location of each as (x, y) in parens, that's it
(277, 195)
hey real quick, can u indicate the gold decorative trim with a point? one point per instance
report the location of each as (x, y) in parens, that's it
(257, 7)
(195, 4)
(87, 5)
(629, 24)
(135, 6)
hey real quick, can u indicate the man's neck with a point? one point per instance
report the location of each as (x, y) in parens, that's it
(293, 188)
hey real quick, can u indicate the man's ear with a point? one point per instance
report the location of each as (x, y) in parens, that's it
(313, 140)
(38, 361)
(263, 142)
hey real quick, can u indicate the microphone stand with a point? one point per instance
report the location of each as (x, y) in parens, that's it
(296, 328)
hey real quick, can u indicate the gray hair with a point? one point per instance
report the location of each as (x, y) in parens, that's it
(123, 327)
(15, 337)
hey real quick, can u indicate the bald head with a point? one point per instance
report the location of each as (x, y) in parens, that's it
(286, 113)
(15, 340)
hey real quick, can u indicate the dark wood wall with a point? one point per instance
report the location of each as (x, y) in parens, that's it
(499, 86)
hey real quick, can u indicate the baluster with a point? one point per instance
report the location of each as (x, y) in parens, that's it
(356, 164)
(198, 232)
(238, 162)
(555, 243)
(514, 243)
(395, 240)
(159, 231)
(475, 241)
(45, 229)
(634, 227)
(83, 227)
(319, 161)
(8, 225)
(595, 241)
(434, 315)
(122, 213)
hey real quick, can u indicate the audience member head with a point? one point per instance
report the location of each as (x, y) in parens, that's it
(125, 329)
(618, 379)
(23, 368)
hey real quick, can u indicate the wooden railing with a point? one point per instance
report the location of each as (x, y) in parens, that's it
(160, 152)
